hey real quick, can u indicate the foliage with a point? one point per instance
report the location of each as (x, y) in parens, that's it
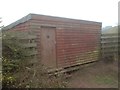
(19, 72)
(11, 56)
(11, 47)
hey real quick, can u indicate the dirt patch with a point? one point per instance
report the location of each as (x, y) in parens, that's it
(97, 75)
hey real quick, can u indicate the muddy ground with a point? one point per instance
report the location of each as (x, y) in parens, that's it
(96, 75)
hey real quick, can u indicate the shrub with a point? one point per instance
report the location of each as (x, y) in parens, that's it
(19, 72)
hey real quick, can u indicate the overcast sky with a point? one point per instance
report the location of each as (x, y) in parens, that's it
(105, 11)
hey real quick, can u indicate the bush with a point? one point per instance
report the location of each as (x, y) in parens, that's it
(18, 72)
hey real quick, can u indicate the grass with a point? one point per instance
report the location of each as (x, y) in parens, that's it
(108, 79)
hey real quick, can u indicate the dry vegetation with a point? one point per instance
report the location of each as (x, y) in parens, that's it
(19, 72)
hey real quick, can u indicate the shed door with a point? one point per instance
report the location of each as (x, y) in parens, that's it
(48, 52)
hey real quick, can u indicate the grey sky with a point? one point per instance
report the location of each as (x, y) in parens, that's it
(105, 11)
